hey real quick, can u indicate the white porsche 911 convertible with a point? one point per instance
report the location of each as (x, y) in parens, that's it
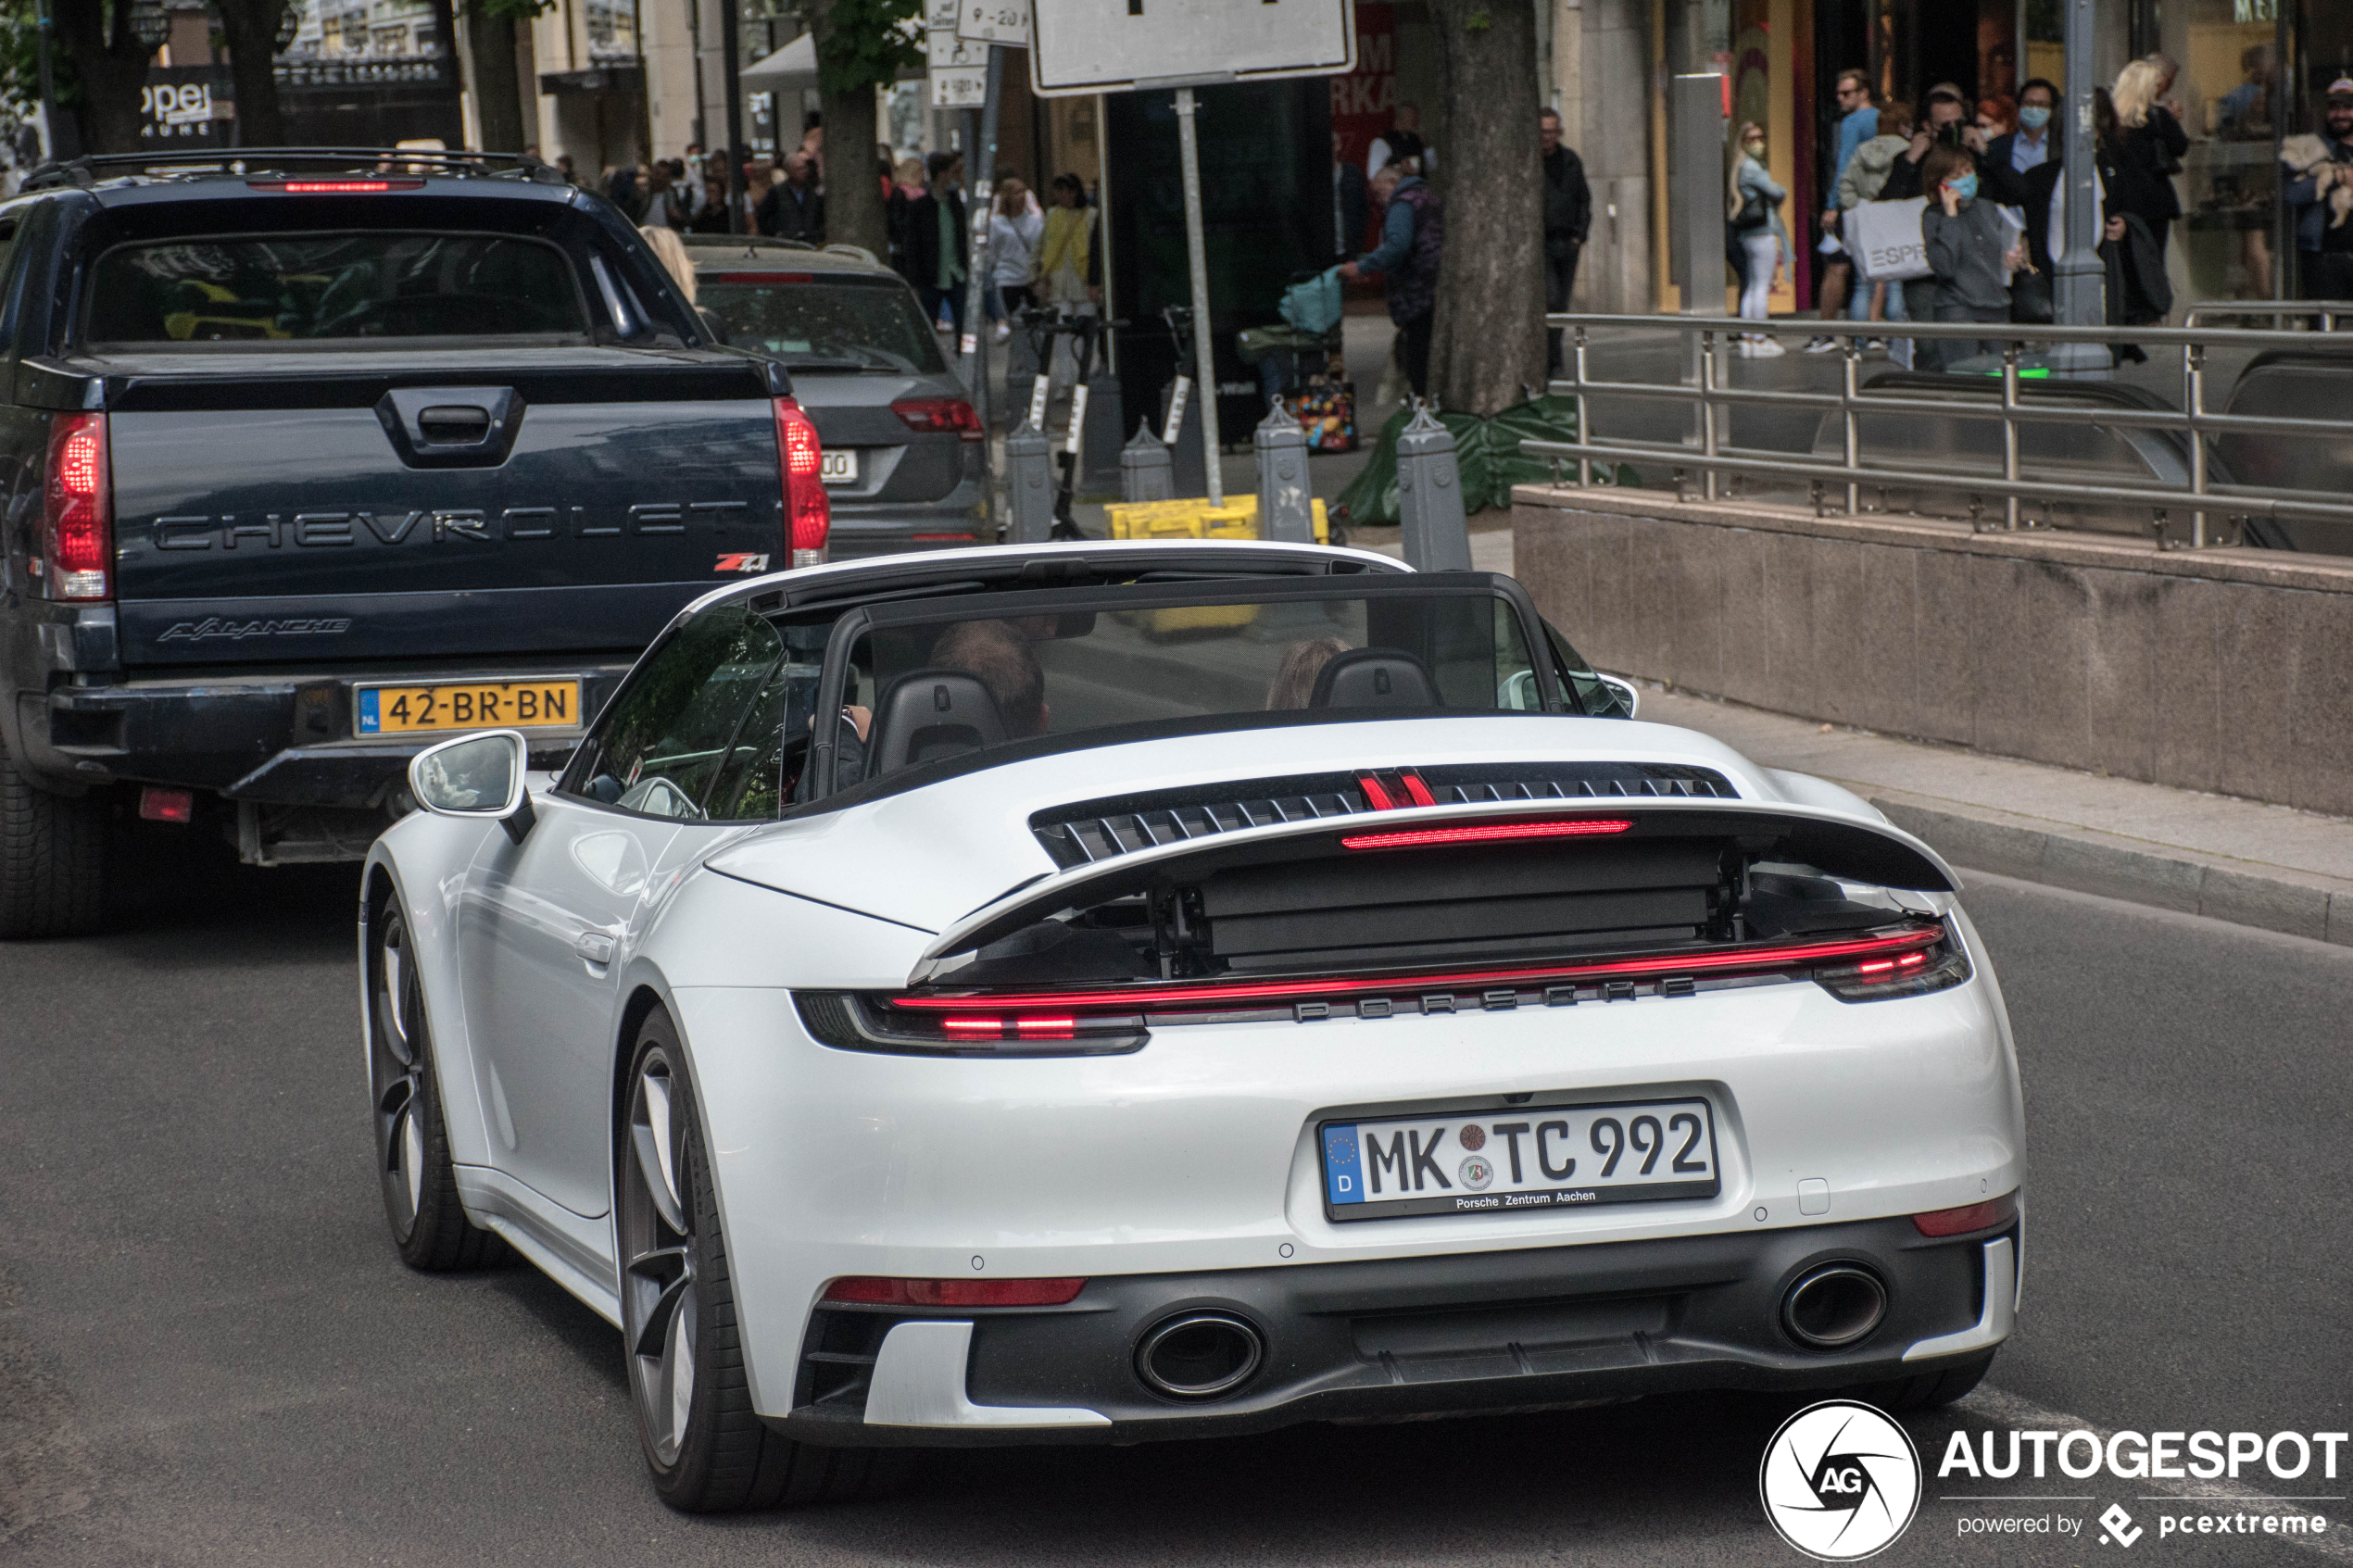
(1100, 993)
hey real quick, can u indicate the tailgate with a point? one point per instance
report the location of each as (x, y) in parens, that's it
(362, 506)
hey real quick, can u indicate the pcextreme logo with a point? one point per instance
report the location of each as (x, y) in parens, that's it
(1840, 1481)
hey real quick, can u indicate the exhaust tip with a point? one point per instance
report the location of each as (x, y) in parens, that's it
(1199, 1356)
(1834, 1306)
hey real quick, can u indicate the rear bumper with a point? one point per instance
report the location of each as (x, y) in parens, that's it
(1398, 1339)
(278, 739)
(957, 521)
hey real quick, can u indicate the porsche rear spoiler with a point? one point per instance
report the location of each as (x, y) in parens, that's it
(1841, 845)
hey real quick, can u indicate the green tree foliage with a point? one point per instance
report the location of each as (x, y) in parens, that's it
(865, 43)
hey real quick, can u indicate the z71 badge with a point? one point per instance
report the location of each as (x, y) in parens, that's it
(747, 563)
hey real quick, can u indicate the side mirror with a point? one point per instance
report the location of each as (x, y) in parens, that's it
(1628, 697)
(477, 775)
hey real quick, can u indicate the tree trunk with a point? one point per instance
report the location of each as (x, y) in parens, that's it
(251, 28)
(1488, 344)
(490, 43)
(854, 210)
(112, 66)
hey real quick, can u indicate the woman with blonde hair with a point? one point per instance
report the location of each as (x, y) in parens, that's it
(671, 251)
(2149, 146)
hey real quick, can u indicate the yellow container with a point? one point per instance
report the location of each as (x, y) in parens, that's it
(1196, 519)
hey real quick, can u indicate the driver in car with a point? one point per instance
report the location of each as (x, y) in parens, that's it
(992, 652)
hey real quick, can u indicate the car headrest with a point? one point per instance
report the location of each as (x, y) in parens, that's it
(930, 714)
(1374, 677)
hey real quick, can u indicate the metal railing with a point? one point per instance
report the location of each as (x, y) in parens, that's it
(1710, 396)
(2334, 315)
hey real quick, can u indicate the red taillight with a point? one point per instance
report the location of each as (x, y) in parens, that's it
(1017, 1027)
(874, 1292)
(937, 416)
(1973, 1217)
(166, 805)
(809, 512)
(77, 520)
(966, 1009)
(334, 187)
(1483, 833)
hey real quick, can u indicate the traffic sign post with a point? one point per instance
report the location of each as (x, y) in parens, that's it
(1196, 258)
(1080, 46)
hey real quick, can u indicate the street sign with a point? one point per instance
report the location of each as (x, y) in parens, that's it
(945, 50)
(1116, 46)
(1004, 22)
(939, 16)
(958, 87)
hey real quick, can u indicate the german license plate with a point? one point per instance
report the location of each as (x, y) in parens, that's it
(465, 705)
(837, 466)
(1527, 1158)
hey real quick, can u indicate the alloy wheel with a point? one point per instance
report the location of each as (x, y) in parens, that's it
(397, 1072)
(658, 1267)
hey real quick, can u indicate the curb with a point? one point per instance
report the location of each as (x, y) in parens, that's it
(2084, 860)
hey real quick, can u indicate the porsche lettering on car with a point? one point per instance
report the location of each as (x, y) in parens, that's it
(1101, 993)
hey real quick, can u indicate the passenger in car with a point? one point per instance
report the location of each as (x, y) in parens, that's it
(1301, 663)
(999, 655)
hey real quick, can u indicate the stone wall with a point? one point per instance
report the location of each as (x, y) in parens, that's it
(2228, 670)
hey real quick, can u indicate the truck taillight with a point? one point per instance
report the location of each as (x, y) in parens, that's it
(808, 514)
(77, 515)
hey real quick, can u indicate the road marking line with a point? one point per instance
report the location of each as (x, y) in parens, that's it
(1997, 1408)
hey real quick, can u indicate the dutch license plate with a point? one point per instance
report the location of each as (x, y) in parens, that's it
(1523, 1159)
(837, 466)
(465, 705)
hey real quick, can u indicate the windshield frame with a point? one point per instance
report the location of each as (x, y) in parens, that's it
(854, 624)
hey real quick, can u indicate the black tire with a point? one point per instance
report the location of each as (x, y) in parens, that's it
(1929, 1390)
(420, 1183)
(677, 1295)
(52, 858)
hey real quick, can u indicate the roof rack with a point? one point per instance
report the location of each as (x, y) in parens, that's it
(239, 162)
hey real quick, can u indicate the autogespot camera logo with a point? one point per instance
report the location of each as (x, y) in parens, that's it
(1840, 1481)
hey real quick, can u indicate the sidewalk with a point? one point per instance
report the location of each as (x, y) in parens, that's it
(2267, 866)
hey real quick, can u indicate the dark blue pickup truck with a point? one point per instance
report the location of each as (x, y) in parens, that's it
(313, 457)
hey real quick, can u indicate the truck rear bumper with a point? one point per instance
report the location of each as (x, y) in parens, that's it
(280, 739)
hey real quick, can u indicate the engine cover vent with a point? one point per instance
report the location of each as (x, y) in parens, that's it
(1091, 831)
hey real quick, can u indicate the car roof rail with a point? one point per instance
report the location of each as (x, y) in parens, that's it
(242, 162)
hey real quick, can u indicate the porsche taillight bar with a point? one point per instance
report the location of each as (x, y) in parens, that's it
(1187, 993)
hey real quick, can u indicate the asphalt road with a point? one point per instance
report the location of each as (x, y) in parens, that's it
(209, 1354)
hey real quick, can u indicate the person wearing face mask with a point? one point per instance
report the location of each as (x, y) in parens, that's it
(2022, 171)
(1966, 248)
(1753, 205)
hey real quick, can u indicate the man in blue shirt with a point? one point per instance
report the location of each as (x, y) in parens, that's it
(1858, 123)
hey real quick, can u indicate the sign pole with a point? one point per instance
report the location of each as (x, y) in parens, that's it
(982, 168)
(1204, 348)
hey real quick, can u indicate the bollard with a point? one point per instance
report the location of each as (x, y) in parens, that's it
(1430, 496)
(1144, 472)
(1099, 458)
(1030, 485)
(1285, 513)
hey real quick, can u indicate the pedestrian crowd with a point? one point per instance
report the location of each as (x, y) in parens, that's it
(1046, 254)
(1991, 218)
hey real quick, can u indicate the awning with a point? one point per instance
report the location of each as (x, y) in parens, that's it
(793, 68)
